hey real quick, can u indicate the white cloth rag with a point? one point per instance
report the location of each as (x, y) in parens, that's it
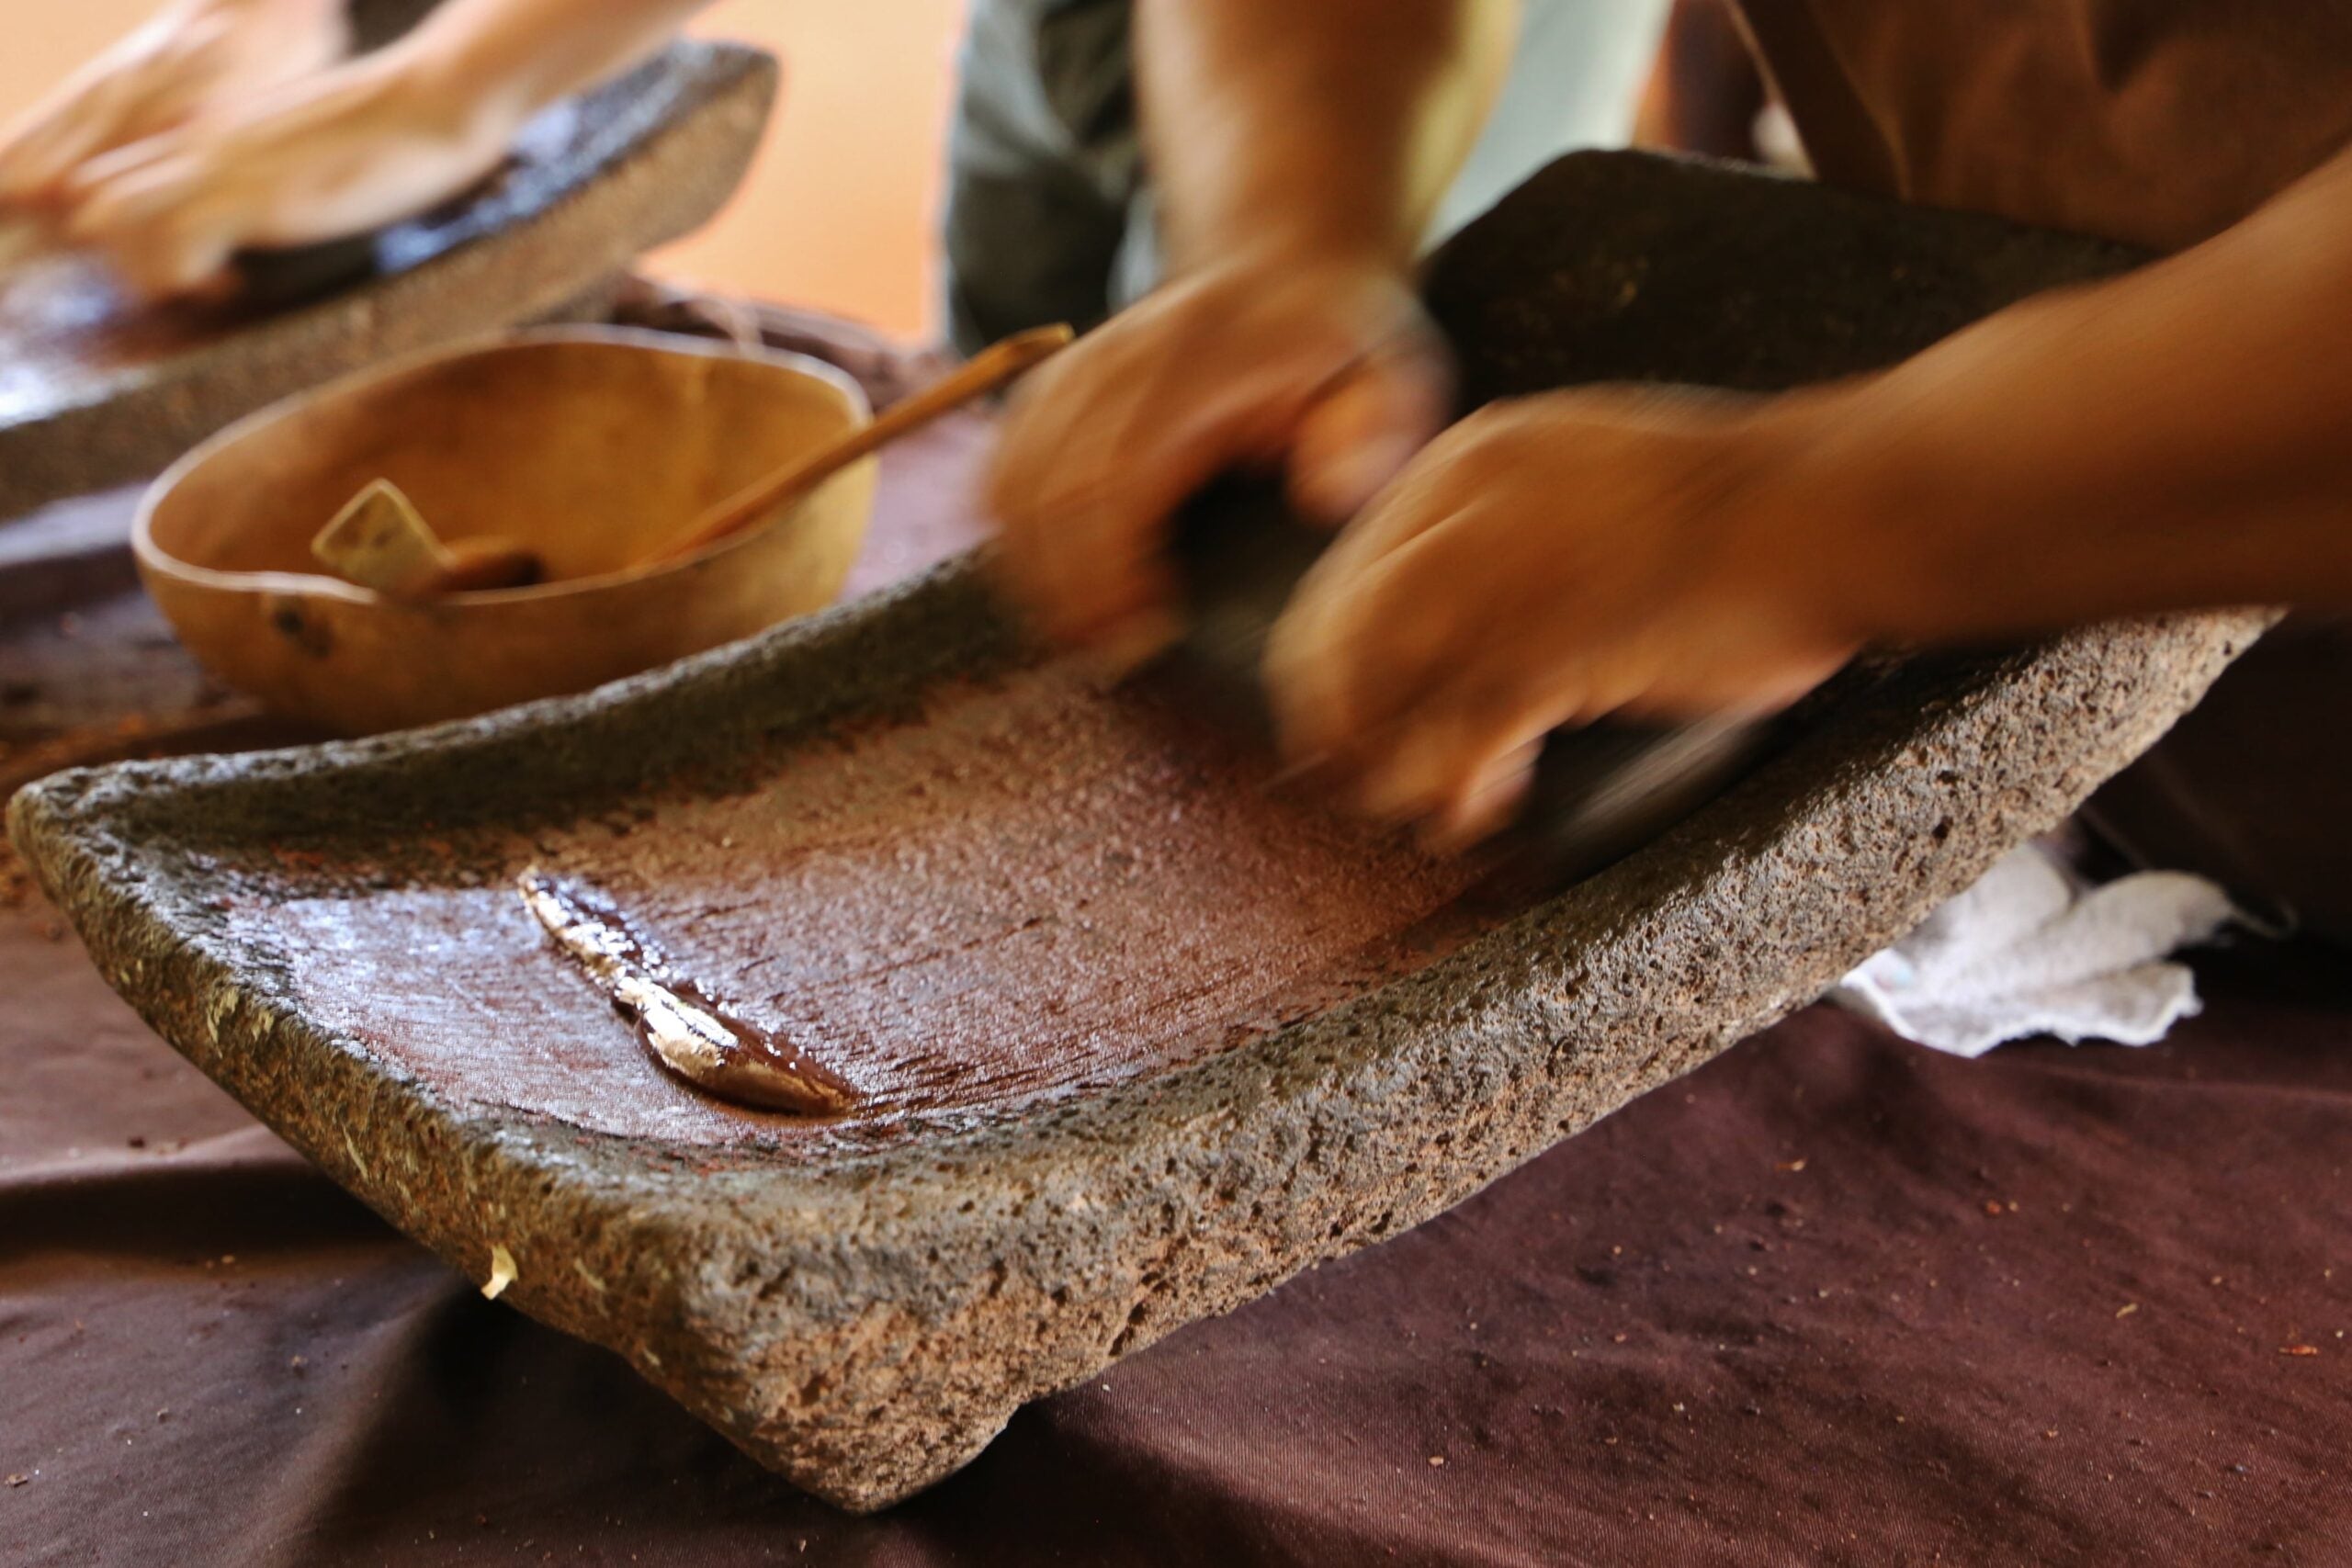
(2029, 951)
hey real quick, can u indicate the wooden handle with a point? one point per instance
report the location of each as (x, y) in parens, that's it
(983, 373)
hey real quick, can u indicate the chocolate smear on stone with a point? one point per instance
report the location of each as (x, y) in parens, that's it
(687, 1031)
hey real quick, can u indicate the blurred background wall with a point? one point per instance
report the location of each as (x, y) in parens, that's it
(838, 211)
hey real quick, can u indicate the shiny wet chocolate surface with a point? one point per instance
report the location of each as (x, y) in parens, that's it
(1030, 889)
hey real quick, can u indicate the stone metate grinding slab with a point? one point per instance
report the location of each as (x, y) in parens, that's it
(94, 393)
(1136, 1038)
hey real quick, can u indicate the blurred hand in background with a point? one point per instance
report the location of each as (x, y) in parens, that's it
(224, 125)
(195, 57)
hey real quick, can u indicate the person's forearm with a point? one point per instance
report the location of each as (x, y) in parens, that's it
(2180, 437)
(497, 63)
(1312, 127)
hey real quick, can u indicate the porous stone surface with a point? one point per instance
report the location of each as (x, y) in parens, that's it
(865, 1321)
(86, 401)
(1708, 274)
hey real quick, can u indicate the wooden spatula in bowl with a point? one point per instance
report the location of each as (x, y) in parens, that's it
(380, 541)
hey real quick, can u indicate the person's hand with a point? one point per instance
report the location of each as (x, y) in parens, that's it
(1328, 370)
(1553, 560)
(337, 153)
(194, 56)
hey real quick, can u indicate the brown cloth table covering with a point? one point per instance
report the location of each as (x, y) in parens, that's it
(1831, 1299)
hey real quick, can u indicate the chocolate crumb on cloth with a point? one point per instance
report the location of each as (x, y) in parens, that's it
(1832, 1298)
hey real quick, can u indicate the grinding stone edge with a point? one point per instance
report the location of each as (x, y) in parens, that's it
(866, 1329)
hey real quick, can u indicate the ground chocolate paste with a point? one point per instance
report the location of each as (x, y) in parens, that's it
(1028, 890)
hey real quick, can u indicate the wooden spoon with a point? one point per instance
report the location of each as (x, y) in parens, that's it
(982, 373)
(382, 541)
(379, 541)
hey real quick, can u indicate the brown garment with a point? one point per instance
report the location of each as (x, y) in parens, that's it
(2157, 121)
